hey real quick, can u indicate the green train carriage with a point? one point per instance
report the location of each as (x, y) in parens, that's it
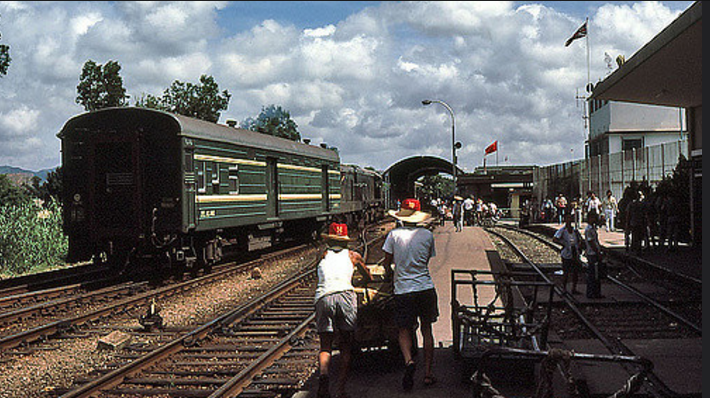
(145, 183)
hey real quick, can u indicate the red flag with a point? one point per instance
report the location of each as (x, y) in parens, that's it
(580, 33)
(492, 148)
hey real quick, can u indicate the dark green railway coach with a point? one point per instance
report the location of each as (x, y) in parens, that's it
(146, 181)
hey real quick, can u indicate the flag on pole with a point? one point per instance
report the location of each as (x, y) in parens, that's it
(492, 148)
(580, 33)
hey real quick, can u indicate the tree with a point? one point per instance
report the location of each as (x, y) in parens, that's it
(201, 101)
(4, 58)
(50, 189)
(100, 86)
(436, 186)
(274, 120)
(11, 194)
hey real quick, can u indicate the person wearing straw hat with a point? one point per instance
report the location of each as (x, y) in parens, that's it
(409, 248)
(336, 304)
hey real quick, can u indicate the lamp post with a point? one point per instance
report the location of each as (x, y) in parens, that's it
(453, 135)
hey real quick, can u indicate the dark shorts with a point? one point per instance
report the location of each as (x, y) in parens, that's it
(337, 312)
(410, 306)
(571, 265)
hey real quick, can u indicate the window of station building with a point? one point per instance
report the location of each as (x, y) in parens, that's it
(234, 180)
(633, 143)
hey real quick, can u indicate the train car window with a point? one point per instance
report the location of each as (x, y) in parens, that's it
(189, 162)
(201, 177)
(234, 180)
(215, 177)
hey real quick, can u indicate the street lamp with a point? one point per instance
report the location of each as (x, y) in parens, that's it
(454, 144)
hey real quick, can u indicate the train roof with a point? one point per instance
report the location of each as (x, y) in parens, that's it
(358, 169)
(200, 129)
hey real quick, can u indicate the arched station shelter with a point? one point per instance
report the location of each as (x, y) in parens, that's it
(402, 175)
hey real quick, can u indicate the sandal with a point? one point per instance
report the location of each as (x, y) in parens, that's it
(429, 380)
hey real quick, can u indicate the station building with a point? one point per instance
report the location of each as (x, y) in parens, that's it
(667, 71)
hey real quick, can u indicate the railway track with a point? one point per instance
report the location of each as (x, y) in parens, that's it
(53, 318)
(634, 309)
(62, 278)
(224, 356)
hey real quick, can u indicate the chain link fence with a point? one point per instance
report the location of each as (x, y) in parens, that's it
(607, 172)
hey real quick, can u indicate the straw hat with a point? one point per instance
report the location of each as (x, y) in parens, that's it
(337, 234)
(458, 197)
(410, 212)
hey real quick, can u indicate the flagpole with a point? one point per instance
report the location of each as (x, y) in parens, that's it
(589, 79)
(589, 83)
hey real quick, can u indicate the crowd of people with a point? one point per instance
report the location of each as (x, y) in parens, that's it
(467, 211)
(649, 219)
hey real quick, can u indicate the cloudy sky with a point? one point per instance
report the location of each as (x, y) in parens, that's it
(352, 74)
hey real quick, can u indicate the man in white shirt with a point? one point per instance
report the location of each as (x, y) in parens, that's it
(409, 248)
(468, 209)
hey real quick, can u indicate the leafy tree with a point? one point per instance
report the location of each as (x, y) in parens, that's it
(4, 58)
(49, 190)
(149, 101)
(201, 101)
(100, 86)
(11, 194)
(276, 121)
(436, 186)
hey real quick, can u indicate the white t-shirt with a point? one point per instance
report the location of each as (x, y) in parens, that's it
(468, 204)
(594, 204)
(568, 239)
(335, 273)
(411, 248)
(591, 235)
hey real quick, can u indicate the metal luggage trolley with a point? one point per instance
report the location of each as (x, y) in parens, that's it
(507, 320)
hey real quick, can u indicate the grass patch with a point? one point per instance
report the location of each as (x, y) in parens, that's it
(31, 239)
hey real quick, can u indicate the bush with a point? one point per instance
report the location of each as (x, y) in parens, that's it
(31, 238)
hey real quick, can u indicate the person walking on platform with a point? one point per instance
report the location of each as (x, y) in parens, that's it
(468, 209)
(410, 248)
(593, 204)
(611, 208)
(636, 223)
(561, 204)
(336, 305)
(458, 213)
(594, 256)
(571, 241)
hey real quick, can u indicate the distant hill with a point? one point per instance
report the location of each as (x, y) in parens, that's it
(19, 175)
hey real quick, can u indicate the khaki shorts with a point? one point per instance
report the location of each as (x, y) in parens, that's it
(337, 312)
